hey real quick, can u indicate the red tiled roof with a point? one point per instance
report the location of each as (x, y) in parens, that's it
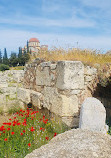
(34, 40)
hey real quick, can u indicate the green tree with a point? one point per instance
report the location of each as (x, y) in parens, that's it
(23, 59)
(27, 46)
(20, 52)
(13, 61)
(0, 57)
(5, 58)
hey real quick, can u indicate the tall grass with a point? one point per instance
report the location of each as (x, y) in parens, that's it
(89, 57)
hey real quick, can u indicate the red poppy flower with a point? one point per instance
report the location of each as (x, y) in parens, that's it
(9, 118)
(44, 121)
(8, 129)
(47, 138)
(3, 131)
(29, 144)
(21, 134)
(24, 131)
(18, 123)
(24, 124)
(14, 117)
(2, 128)
(32, 129)
(55, 134)
(4, 123)
(5, 139)
(9, 123)
(0, 134)
(12, 133)
(40, 128)
(43, 116)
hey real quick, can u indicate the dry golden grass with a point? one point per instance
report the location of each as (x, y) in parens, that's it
(17, 68)
(88, 57)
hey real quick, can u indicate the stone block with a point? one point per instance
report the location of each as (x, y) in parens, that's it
(52, 100)
(70, 75)
(60, 104)
(69, 105)
(88, 78)
(43, 77)
(72, 122)
(53, 66)
(90, 71)
(36, 99)
(24, 95)
(93, 116)
(45, 64)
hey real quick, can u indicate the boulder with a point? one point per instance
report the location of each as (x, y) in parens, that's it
(93, 115)
(75, 143)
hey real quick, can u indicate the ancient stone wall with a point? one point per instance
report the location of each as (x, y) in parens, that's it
(10, 80)
(61, 87)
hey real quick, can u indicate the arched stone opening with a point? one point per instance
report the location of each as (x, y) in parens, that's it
(104, 95)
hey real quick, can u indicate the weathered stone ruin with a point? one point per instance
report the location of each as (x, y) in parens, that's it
(60, 87)
(10, 81)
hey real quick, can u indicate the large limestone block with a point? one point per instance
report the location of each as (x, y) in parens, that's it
(24, 95)
(43, 77)
(52, 100)
(70, 75)
(69, 105)
(75, 143)
(60, 104)
(93, 115)
(36, 99)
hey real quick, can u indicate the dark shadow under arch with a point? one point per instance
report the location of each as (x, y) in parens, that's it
(104, 95)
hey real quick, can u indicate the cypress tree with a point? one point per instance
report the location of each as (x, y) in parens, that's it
(27, 46)
(5, 58)
(20, 52)
(0, 57)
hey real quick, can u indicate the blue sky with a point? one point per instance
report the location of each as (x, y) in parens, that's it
(60, 23)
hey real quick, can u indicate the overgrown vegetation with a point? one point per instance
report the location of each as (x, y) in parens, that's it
(92, 58)
(4, 67)
(26, 131)
(89, 57)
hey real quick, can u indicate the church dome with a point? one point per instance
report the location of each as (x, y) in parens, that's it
(34, 40)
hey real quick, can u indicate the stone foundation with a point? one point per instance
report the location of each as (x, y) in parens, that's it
(10, 81)
(60, 87)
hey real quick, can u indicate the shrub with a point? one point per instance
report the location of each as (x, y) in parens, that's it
(4, 67)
